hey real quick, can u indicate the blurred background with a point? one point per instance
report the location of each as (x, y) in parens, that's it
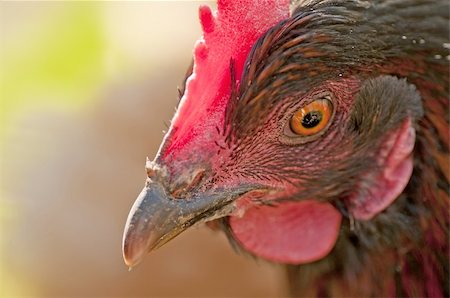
(85, 90)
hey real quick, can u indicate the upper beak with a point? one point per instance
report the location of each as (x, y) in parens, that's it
(156, 217)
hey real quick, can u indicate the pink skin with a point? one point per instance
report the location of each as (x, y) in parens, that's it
(396, 163)
(290, 232)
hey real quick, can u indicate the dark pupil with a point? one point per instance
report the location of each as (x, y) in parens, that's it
(312, 119)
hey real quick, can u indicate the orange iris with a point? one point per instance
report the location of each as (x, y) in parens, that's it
(312, 118)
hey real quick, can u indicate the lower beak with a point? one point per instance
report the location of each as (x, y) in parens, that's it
(156, 217)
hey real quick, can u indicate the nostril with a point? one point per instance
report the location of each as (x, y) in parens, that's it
(187, 186)
(197, 179)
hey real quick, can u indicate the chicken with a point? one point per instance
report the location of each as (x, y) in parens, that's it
(317, 139)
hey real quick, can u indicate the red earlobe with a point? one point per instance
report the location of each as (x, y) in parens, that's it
(395, 163)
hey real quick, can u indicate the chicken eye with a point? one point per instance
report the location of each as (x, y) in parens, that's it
(312, 118)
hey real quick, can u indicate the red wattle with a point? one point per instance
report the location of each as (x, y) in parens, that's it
(290, 232)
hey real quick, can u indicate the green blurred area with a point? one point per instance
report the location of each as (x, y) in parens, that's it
(64, 54)
(59, 62)
(85, 88)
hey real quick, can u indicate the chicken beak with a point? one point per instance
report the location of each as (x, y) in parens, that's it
(156, 217)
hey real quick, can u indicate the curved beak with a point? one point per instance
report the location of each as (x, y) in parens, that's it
(156, 217)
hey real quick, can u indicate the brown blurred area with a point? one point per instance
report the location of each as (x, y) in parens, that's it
(70, 176)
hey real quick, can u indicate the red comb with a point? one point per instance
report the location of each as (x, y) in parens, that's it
(227, 35)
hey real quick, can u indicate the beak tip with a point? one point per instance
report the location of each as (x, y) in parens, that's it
(133, 248)
(132, 256)
(129, 263)
(135, 239)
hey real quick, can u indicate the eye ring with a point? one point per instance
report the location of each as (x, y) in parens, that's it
(309, 122)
